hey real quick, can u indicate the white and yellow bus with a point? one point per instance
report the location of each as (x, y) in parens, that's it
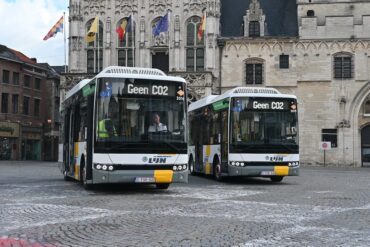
(244, 132)
(107, 134)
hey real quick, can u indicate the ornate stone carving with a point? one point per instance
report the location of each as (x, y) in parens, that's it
(213, 8)
(125, 7)
(194, 6)
(94, 7)
(159, 6)
(160, 40)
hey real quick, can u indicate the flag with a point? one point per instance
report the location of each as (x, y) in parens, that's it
(124, 28)
(90, 37)
(162, 26)
(202, 27)
(58, 27)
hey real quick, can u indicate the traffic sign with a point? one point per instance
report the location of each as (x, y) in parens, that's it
(325, 145)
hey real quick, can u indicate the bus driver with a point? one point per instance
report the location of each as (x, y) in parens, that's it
(157, 126)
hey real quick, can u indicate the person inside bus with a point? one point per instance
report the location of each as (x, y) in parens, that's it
(157, 126)
(106, 128)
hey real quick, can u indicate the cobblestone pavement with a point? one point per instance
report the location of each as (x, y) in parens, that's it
(321, 207)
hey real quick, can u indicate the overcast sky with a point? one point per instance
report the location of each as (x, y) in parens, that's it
(24, 23)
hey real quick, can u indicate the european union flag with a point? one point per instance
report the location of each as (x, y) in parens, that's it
(162, 26)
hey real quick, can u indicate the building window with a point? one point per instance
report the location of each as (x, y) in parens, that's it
(5, 76)
(254, 29)
(310, 13)
(26, 105)
(343, 66)
(194, 46)
(15, 103)
(36, 106)
(4, 102)
(330, 135)
(27, 81)
(15, 78)
(37, 83)
(284, 61)
(94, 53)
(126, 47)
(367, 108)
(254, 72)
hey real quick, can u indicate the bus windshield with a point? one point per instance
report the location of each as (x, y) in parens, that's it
(264, 125)
(140, 115)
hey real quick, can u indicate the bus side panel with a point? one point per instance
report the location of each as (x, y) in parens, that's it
(209, 153)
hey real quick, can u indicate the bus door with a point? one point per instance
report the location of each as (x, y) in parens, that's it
(224, 140)
(199, 145)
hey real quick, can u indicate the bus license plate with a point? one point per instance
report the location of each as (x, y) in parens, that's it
(144, 180)
(267, 173)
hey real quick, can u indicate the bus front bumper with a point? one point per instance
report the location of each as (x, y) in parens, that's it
(263, 171)
(139, 176)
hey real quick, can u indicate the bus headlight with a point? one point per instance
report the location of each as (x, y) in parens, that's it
(174, 168)
(184, 167)
(105, 167)
(98, 166)
(237, 163)
(110, 168)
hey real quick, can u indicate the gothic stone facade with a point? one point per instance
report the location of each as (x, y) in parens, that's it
(171, 48)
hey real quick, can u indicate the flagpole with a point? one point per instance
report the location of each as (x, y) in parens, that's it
(133, 39)
(94, 53)
(65, 41)
(98, 49)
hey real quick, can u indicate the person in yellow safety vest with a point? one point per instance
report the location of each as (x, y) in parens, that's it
(106, 128)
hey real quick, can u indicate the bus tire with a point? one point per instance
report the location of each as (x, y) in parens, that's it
(83, 180)
(162, 186)
(217, 174)
(191, 166)
(277, 179)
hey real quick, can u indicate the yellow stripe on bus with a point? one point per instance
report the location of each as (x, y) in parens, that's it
(77, 167)
(281, 170)
(208, 164)
(163, 176)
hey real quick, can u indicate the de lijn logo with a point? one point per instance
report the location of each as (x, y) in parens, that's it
(156, 159)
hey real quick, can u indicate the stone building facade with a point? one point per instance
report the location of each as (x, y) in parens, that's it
(326, 65)
(315, 49)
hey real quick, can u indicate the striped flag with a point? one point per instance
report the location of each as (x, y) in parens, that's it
(58, 27)
(202, 27)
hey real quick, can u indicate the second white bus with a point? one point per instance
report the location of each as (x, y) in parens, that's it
(244, 132)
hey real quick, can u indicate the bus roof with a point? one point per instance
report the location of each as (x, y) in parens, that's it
(240, 92)
(126, 72)
(137, 73)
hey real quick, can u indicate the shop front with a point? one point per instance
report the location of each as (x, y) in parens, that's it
(9, 138)
(31, 144)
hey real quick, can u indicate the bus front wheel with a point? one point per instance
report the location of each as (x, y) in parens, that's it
(217, 174)
(277, 179)
(191, 166)
(162, 186)
(83, 180)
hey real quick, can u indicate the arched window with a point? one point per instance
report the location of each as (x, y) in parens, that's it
(95, 50)
(310, 13)
(194, 46)
(254, 29)
(254, 70)
(126, 47)
(367, 108)
(343, 66)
